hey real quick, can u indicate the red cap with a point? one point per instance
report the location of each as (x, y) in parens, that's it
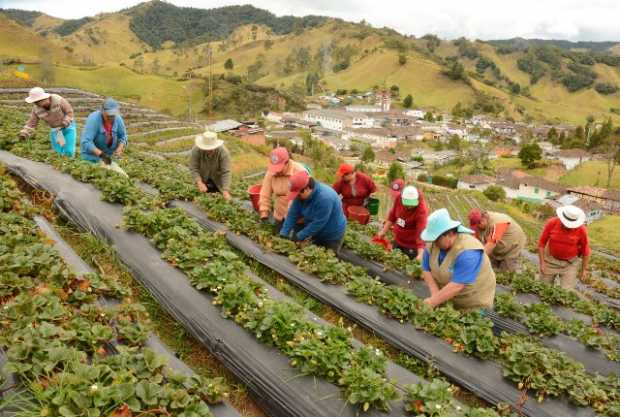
(396, 187)
(344, 169)
(298, 182)
(475, 215)
(279, 157)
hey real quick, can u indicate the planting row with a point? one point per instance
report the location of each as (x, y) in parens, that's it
(72, 355)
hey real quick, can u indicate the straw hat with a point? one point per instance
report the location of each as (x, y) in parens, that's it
(36, 94)
(571, 216)
(208, 141)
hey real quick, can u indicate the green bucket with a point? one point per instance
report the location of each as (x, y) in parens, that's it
(373, 206)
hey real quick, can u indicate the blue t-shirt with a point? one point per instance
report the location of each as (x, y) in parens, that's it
(466, 266)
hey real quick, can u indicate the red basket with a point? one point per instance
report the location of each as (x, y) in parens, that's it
(383, 242)
(254, 191)
(359, 214)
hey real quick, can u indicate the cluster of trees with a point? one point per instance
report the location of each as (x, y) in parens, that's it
(69, 26)
(530, 154)
(25, 17)
(456, 71)
(160, 22)
(432, 42)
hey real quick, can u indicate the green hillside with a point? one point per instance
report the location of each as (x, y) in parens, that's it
(555, 81)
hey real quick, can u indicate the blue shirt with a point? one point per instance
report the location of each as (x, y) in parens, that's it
(466, 266)
(322, 213)
(93, 136)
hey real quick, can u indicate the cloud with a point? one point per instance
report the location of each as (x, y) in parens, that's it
(574, 20)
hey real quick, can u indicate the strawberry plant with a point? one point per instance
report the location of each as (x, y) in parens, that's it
(430, 400)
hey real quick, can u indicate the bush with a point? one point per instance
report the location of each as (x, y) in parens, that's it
(439, 180)
(605, 88)
(495, 193)
(408, 101)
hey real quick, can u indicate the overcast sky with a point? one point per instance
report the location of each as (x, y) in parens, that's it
(594, 20)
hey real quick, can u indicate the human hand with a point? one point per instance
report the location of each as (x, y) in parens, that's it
(428, 302)
(105, 158)
(583, 276)
(264, 215)
(22, 136)
(226, 195)
(543, 268)
(420, 254)
(202, 187)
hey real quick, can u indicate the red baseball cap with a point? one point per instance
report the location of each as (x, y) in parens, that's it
(344, 169)
(396, 187)
(475, 215)
(278, 158)
(298, 182)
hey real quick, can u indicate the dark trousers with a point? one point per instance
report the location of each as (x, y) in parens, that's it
(211, 187)
(410, 252)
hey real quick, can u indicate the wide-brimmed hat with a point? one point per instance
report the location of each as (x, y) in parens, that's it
(36, 94)
(440, 222)
(571, 216)
(208, 141)
(410, 196)
(278, 159)
(396, 187)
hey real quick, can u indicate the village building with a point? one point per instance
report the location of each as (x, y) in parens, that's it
(571, 158)
(608, 199)
(475, 182)
(521, 186)
(592, 209)
(338, 119)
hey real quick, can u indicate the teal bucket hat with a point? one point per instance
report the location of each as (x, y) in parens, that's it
(440, 222)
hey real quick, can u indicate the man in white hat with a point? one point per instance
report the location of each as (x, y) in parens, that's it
(210, 165)
(562, 242)
(58, 114)
(407, 219)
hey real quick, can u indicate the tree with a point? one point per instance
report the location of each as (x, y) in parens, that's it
(530, 154)
(396, 171)
(368, 155)
(495, 193)
(408, 101)
(552, 135)
(229, 64)
(402, 59)
(394, 90)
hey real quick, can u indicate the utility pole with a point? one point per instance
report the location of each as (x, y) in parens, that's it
(210, 80)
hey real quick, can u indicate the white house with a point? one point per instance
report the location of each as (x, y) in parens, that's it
(337, 119)
(417, 113)
(363, 108)
(571, 158)
(475, 182)
(547, 148)
(521, 186)
(436, 157)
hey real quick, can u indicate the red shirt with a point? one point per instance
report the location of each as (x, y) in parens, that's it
(564, 243)
(409, 223)
(107, 126)
(364, 186)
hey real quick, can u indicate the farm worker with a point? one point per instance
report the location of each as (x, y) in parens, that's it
(502, 237)
(58, 114)
(563, 241)
(210, 164)
(276, 183)
(396, 187)
(318, 204)
(355, 187)
(407, 219)
(455, 266)
(104, 136)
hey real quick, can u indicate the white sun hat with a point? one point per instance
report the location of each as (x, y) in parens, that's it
(36, 94)
(571, 216)
(208, 141)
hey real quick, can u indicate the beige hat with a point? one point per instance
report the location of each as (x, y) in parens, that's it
(36, 94)
(208, 141)
(571, 216)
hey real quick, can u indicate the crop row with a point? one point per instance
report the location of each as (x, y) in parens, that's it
(73, 355)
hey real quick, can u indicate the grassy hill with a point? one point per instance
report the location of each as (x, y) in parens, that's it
(553, 81)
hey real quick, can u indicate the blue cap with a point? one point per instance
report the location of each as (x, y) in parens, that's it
(111, 107)
(440, 222)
